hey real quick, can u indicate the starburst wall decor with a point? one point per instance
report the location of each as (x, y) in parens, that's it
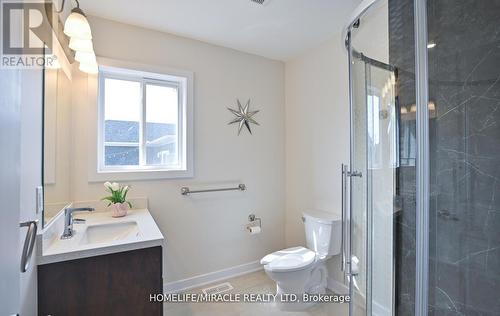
(243, 116)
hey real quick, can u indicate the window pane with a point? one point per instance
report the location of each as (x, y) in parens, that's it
(121, 155)
(162, 116)
(122, 113)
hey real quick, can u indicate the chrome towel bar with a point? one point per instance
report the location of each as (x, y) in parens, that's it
(187, 191)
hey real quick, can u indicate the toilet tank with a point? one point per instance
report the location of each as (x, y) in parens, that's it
(323, 232)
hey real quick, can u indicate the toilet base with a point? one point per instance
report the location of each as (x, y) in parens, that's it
(316, 285)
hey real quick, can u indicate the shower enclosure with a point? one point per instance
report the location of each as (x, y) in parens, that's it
(422, 192)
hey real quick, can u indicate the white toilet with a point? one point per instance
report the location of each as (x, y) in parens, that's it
(300, 270)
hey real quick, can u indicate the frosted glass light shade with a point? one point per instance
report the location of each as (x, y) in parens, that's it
(81, 45)
(90, 68)
(85, 57)
(76, 25)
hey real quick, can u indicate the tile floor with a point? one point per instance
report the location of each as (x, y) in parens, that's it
(256, 282)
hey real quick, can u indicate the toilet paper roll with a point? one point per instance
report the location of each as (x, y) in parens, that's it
(254, 230)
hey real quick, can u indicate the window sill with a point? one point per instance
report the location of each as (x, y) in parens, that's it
(138, 175)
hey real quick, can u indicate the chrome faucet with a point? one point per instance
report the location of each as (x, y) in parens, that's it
(68, 220)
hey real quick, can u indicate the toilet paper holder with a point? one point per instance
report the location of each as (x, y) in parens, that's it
(254, 222)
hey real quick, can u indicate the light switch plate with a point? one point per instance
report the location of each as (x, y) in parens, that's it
(39, 199)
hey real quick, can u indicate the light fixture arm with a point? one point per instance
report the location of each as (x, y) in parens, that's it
(62, 6)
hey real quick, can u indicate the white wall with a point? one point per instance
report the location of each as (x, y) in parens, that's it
(317, 136)
(204, 233)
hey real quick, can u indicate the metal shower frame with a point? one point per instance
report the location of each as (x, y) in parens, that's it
(422, 141)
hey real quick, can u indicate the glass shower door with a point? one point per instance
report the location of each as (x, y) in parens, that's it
(357, 256)
(372, 174)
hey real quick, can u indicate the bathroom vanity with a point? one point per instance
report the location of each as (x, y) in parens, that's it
(103, 265)
(109, 267)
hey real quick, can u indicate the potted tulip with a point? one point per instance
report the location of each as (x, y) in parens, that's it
(118, 199)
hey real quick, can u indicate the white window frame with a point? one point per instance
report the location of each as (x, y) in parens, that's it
(140, 73)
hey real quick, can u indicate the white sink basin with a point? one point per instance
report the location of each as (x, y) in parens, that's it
(100, 234)
(111, 232)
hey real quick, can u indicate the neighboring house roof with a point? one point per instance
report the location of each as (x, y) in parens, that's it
(127, 131)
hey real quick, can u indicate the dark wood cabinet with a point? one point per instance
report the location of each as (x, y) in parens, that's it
(114, 284)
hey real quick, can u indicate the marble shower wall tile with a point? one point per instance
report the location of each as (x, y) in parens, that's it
(464, 84)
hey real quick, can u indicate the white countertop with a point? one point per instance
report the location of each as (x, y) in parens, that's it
(50, 248)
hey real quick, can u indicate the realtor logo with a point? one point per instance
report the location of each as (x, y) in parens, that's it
(26, 34)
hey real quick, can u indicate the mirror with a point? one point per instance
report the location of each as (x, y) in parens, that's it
(56, 142)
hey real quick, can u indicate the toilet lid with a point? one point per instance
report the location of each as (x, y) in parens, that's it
(290, 259)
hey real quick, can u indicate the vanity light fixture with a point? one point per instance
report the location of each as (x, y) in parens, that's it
(85, 58)
(76, 24)
(77, 27)
(90, 68)
(431, 45)
(88, 62)
(81, 45)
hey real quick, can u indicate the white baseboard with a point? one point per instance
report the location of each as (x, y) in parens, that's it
(208, 278)
(224, 274)
(336, 286)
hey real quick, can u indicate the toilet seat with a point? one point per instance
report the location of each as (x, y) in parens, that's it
(290, 259)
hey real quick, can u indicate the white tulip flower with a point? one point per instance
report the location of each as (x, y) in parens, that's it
(115, 186)
(107, 185)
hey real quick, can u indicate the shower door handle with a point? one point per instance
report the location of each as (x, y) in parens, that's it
(344, 237)
(29, 243)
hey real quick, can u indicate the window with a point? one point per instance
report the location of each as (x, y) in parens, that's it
(142, 121)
